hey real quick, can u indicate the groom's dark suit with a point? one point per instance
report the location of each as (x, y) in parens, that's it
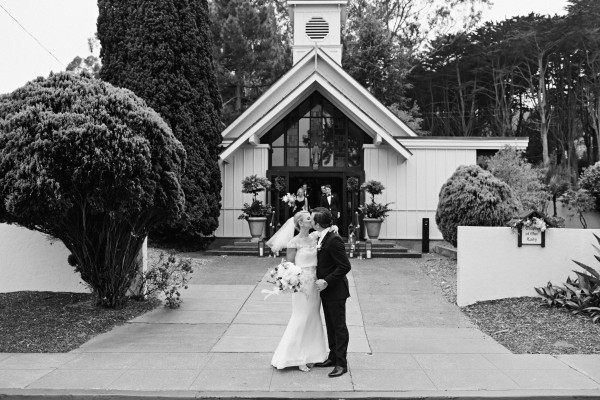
(332, 266)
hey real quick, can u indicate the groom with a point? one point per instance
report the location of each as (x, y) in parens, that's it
(332, 267)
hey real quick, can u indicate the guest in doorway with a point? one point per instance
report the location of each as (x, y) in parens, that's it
(331, 202)
(301, 202)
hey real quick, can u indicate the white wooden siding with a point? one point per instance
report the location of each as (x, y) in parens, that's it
(245, 161)
(412, 185)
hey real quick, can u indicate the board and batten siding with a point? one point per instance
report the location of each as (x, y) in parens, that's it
(412, 185)
(245, 161)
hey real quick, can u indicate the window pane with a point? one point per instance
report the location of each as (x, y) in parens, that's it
(339, 145)
(304, 129)
(292, 135)
(276, 135)
(317, 110)
(304, 109)
(354, 145)
(304, 157)
(277, 157)
(327, 109)
(292, 157)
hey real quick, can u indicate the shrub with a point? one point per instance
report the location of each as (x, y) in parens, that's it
(558, 180)
(510, 166)
(93, 166)
(254, 184)
(590, 181)
(374, 210)
(581, 296)
(473, 197)
(352, 184)
(167, 275)
(256, 209)
(579, 202)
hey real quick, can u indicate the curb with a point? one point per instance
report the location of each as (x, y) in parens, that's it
(445, 251)
(534, 394)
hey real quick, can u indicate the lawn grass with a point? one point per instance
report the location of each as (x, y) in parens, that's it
(56, 322)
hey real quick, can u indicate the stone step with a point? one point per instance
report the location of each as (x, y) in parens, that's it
(374, 245)
(407, 254)
(391, 253)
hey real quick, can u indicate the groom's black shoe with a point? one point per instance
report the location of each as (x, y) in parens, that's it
(337, 371)
(325, 364)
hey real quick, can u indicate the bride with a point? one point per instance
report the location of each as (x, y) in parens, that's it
(303, 341)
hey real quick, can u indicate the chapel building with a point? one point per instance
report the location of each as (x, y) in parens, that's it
(317, 125)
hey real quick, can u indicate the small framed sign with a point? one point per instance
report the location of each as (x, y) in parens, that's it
(531, 237)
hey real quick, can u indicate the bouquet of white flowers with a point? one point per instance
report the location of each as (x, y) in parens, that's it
(290, 199)
(286, 278)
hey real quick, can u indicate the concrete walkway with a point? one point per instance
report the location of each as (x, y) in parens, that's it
(406, 341)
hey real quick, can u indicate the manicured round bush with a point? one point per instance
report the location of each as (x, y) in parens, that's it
(93, 166)
(473, 197)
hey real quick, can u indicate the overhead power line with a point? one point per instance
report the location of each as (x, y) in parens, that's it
(34, 38)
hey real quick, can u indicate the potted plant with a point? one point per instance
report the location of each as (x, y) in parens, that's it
(373, 213)
(256, 213)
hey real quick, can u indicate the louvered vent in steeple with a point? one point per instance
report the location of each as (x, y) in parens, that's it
(317, 28)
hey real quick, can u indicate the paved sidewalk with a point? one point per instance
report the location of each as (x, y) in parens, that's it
(406, 341)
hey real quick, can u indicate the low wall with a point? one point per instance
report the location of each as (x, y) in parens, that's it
(491, 266)
(31, 261)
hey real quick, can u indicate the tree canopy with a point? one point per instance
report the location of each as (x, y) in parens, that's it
(93, 166)
(251, 51)
(162, 51)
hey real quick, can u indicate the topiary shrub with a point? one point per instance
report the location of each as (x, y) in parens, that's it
(93, 166)
(473, 197)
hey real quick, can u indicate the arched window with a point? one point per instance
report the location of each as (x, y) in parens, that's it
(316, 135)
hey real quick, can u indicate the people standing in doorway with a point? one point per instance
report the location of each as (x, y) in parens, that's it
(323, 197)
(301, 202)
(331, 202)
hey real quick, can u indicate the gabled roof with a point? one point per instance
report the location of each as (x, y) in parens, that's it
(316, 71)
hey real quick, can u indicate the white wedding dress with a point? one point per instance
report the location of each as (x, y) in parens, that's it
(303, 341)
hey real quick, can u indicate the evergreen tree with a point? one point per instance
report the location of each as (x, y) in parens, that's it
(162, 51)
(251, 51)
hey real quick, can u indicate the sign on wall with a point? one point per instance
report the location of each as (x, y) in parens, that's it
(531, 236)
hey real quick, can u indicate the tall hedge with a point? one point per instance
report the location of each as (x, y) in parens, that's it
(93, 166)
(161, 50)
(474, 197)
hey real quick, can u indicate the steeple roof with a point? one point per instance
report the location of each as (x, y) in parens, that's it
(316, 71)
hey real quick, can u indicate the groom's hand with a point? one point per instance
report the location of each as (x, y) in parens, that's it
(321, 284)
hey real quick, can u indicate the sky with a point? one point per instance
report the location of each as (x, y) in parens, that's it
(62, 28)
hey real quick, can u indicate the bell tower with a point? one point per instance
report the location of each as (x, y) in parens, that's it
(317, 23)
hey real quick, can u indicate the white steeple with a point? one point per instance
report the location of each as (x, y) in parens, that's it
(317, 23)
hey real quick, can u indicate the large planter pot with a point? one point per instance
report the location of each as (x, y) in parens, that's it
(373, 227)
(257, 227)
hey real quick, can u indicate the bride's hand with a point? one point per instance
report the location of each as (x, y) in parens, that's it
(334, 229)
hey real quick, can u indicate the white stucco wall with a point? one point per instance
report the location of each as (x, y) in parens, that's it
(413, 185)
(491, 266)
(245, 161)
(30, 261)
